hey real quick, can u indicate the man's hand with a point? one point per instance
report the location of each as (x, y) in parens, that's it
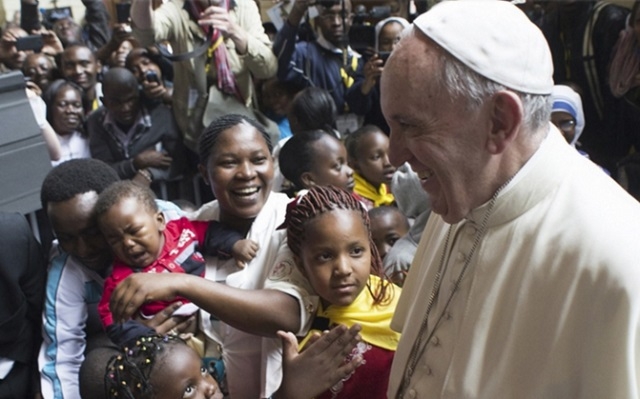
(372, 71)
(218, 18)
(152, 159)
(321, 364)
(298, 10)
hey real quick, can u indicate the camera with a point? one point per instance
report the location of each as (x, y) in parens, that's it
(27, 43)
(151, 76)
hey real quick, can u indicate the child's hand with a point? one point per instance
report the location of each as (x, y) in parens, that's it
(244, 251)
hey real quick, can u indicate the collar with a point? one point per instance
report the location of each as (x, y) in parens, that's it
(325, 44)
(380, 196)
(534, 182)
(143, 119)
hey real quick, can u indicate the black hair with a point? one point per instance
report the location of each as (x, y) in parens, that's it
(76, 176)
(211, 133)
(128, 374)
(297, 156)
(49, 97)
(321, 199)
(118, 77)
(352, 142)
(91, 375)
(313, 108)
(121, 190)
(388, 210)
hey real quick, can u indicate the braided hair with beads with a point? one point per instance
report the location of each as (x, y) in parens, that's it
(321, 199)
(128, 374)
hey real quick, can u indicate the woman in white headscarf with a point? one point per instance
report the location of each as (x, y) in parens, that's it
(566, 113)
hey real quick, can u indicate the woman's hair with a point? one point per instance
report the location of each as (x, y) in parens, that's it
(321, 199)
(118, 191)
(128, 374)
(49, 97)
(297, 156)
(352, 142)
(313, 108)
(211, 133)
(461, 82)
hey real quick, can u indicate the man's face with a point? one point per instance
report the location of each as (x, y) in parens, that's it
(123, 102)
(9, 54)
(330, 22)
(67, 31)
(429, 132)
(77, 231)
(79, 65)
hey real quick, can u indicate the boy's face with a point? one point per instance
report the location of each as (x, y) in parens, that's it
(77, 231)
(386, 229)
(134, 232)
(336, 256)
(373, 159)
(329, 165)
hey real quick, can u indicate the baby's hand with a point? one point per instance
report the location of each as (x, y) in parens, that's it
(243, 251)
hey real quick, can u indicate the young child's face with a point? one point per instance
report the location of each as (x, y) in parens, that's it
(180, 374)
(330, 165)
(373, 159)
(336, 256)
(386, 229)
(134, 232)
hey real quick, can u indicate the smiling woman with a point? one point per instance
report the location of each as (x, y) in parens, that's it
(238, 304)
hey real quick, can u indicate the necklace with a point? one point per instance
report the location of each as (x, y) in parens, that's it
(420, 344)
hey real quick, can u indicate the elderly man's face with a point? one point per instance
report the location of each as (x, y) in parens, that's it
(441, 140)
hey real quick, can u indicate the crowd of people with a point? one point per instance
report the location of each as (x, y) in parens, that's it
(449, 212)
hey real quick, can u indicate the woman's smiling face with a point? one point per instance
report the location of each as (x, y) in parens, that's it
(240, 172)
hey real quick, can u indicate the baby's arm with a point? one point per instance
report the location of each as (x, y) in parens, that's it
(243, 251)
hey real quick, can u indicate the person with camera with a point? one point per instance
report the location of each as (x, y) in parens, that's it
(321, 62)
(363, 97)
(153, 72)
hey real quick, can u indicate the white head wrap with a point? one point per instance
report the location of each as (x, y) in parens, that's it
(565, 99)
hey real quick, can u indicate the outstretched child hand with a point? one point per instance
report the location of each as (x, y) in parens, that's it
(244, 251)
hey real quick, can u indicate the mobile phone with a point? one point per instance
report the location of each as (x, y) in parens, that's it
(362, 37)
(31, 42)
(151, 76)
(384, 55)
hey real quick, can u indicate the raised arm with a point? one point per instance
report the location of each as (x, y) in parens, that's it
(261, 312)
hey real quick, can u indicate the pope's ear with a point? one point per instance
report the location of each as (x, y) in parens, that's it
(506, 120)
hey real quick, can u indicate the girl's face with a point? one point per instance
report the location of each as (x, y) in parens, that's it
(336, 256)
(180, 374)
(67, 111)
(389, 35)
(134, 232)
(373, 159)
(240, 173)
(329, 166)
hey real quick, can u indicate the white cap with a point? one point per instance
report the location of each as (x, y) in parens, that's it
(495, 39)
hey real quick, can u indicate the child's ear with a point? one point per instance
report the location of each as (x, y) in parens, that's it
(307, 180)
(353, 164)
(162, 224)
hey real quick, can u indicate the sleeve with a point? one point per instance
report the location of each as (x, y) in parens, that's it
(103, 307)
(290, 60)
(219, 240)
(29, 19)
(285, 276)
(64, 338)
(259, 59)
(360, 103)
(100, 148)
(97, 18)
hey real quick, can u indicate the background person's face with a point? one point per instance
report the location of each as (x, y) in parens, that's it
(566, 123)
(141, 64)
(9, 54)
(240, 172)
(330, 23)
(67, 111)
(67, 31)
(39, 69)
(388, 36)
(79, 65)
(123, 103)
